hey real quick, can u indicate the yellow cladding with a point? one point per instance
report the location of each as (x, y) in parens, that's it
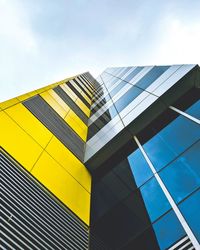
(63, 186)
(8, 103)
(86, 89)
(68, 115)
(54, 104)
(86, 97)
(29, 123)
(83, 107)
(69, 92)
(59, 100)
(69, 161)
(81, 92)
(17, 142)
(77, 124)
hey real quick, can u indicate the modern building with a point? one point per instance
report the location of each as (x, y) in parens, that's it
(110, 163)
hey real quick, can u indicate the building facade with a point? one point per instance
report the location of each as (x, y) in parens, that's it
(111, 163)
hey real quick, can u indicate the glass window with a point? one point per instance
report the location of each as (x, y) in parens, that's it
(168, 230)
(183, 176)
(101, 121)
(111, 111)
(191, 211)
(194, 110)
(127, 98)
(139, 167)
(117, 88)
(171, 141)
(129, 77)
(124, 71)
(155, 201)
(151, 76)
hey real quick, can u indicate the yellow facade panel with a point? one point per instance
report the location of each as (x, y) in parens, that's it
(32, 93)
(81, 92)
(69, 92)
(59, 100)
(54, 104)
(23, 97)
(63, 186)
(9, 103)
(69, 161)
(76, 86)
(29, 123)
(17, 142)
(83, 107)
(77, 124)
(86, 89)
(86, 97)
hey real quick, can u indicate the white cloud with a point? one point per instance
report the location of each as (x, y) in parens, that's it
(43, 41)
(180, 43)
(14, 25)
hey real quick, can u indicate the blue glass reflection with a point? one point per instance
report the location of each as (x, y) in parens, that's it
(124, 71)
(155, 201)
(127, 98)
(183, 176)
(129, 77)
(111, 81)
(191, 211)
(171, 141)
(151, 76)
(112, 111)
(168, 230)
(194, 110)
(139, 167)
(117, 88)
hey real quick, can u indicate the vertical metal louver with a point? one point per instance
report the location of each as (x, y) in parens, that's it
(31, 218)
(44, 113)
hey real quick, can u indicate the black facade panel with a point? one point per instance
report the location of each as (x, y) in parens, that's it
(56, 125)
(59, 91)
(85, 84)
(83, 88)
(31, 218)
(78, 93)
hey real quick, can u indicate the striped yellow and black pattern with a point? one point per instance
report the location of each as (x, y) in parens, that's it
(44, 132)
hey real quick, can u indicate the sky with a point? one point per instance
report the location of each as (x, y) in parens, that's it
(44, 41)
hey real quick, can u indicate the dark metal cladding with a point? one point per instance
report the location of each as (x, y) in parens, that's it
(59, 91)
(31, 218)
(56, 125)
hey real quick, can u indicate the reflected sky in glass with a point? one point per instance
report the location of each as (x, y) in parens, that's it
(171, 141)
(139, 167)
(151, 76)
(127, 98)
(168, 230)
(155, 201)
(194, 110)
(183, 176)
(130, 76)
(191, 211)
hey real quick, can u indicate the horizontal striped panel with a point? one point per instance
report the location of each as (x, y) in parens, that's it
(83, 107)
(31, 218)
(65, 97)
(183, 244)
(77, 92)
(85, 84)
(83, 87)
(48, 116)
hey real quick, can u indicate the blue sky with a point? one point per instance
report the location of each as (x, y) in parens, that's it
(43, 41)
